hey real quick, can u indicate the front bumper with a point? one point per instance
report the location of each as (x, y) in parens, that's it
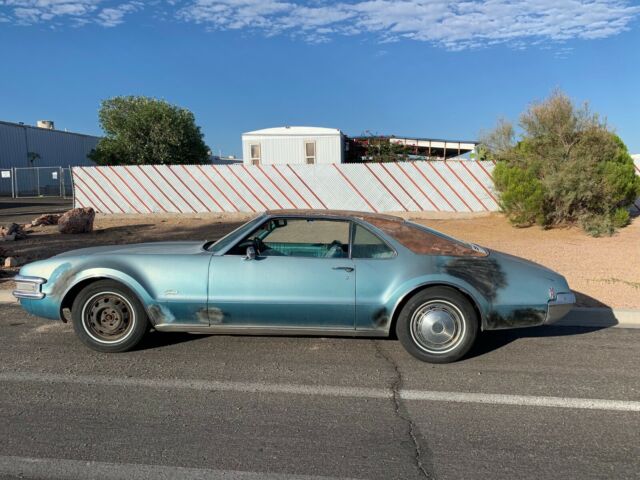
(559, 307)
(29, 287)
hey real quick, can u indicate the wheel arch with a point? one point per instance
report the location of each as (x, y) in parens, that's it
(402, 301)
(87, 279)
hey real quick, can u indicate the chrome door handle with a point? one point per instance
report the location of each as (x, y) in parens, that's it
(346, 269)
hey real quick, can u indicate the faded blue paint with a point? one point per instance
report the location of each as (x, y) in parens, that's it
(183, 283)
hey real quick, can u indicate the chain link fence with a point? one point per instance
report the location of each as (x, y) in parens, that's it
(29, 182)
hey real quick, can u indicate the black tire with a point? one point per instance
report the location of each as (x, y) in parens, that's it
(437, 325)
(108, 317)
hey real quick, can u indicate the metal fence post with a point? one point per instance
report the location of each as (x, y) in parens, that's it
(13, 179)
(73, 190)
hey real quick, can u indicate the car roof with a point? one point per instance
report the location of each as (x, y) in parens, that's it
(415, 238)
(366, 216)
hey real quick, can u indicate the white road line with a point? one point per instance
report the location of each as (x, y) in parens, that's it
(84, 470)
(327, 391)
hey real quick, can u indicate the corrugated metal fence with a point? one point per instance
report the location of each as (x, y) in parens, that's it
(451, 186)
(636, 163)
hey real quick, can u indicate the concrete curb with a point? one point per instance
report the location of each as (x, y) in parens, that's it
(578, 317)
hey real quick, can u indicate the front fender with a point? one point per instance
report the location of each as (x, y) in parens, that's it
(70, 274)
(107, 273)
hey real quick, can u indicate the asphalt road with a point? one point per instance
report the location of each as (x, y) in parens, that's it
(24, 210)
(537, 403)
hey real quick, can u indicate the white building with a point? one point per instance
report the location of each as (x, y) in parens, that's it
(293, 145)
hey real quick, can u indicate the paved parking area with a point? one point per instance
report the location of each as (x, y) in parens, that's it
(23, 210)
(537, 403)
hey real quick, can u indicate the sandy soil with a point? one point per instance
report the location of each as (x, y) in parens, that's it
(603, 271)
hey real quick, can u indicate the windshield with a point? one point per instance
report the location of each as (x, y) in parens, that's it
(239, 232)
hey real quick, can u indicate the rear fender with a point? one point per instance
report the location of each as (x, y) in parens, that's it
(404, 291)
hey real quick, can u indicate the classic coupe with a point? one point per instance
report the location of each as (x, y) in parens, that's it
(298, 272)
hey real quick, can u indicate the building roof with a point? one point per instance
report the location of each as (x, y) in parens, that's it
(40, 129)
(285, 131)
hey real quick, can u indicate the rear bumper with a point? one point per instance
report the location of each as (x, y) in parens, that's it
(559, 307)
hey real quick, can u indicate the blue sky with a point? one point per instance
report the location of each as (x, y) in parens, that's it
(435, 68)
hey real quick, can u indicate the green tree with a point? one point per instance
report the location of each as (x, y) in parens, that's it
(568, 167)
(143, 130)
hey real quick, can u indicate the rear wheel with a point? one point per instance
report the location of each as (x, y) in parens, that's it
(437, 325)
(108, 317)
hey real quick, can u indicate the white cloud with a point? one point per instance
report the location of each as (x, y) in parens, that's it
(114, 16)
(455, 25)
(78, 12)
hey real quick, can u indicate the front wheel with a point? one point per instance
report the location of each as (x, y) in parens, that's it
(437, 325)
(108, 317)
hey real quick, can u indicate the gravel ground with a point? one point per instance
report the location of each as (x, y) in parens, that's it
(603, 271)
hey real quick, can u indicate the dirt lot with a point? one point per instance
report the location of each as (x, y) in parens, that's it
(603, 271)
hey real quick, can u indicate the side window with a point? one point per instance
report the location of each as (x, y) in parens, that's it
(256, 156)
(298, 237)
(310, 152)
(368, 245)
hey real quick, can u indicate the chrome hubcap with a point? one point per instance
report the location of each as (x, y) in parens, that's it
(437, 326)
(108, 317)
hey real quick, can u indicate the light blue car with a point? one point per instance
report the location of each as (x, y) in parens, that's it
(298, 272)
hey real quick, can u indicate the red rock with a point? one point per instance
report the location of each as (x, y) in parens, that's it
(47, 219)
(77, 220)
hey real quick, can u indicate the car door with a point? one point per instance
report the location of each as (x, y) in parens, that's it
(378, 277)
(301, 278)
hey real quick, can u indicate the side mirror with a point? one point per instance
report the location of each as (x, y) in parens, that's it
(251, 254)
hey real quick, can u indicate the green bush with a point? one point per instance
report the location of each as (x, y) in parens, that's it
(522, 194)
(567, 168)
(142, 130)
(599, 225)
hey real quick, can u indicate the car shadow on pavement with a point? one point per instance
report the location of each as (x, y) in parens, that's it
(162, 339)
(493, 340)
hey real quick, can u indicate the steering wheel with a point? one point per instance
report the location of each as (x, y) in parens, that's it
(259, 245)
(337, 247)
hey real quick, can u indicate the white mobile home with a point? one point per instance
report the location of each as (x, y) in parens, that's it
(293, 145)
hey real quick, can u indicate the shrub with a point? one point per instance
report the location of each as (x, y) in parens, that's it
(522, 194)
(598, 225)
(567, 168)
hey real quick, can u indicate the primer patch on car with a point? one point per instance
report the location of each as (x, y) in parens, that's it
(485, 274)
(159, 314)
(518, 317)
(60, 279)
(210, 316)
(380, 317)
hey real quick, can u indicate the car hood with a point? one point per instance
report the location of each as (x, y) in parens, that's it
(154, 248)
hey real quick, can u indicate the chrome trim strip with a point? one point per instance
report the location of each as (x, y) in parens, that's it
(31, 295)
(559, 307)
(24, 278)
(563, 298)
(262, 330)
